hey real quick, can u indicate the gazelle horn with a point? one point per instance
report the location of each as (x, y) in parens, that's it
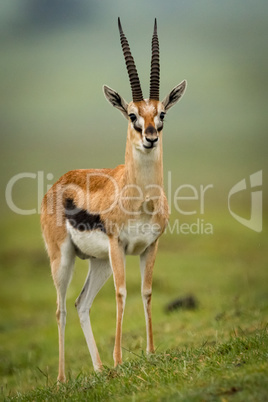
(131, 68)
(155, 66)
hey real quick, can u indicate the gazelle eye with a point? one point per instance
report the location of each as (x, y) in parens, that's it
(132, 117)
(162, 116)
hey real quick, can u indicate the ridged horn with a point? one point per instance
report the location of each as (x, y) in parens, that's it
(131, 68)
(155, 66)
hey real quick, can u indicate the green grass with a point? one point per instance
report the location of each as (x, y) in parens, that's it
(216, 352)
(236, 369)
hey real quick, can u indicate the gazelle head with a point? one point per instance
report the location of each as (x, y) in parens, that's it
(145, 116)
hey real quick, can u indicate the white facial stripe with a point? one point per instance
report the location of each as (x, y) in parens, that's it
(133, 109)
(140, 121)
(156, 121)
(160, 108)
(147, 108)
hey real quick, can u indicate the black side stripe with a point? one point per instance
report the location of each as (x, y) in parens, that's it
(80, 219)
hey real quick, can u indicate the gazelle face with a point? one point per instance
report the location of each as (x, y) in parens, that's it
(145, 124)
(146, 116)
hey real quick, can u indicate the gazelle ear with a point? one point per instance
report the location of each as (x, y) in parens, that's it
(116, 100)
(174, 95)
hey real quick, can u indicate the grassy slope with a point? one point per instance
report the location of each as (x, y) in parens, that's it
(218, 350)
(236, 369)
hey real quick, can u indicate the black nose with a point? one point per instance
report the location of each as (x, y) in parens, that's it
(151, 140)
(150, 130)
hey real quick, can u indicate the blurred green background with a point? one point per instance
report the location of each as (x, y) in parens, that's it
(55, 57)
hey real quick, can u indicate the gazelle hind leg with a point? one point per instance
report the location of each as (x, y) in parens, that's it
(99, 272)
(147, 260)
(62, 269)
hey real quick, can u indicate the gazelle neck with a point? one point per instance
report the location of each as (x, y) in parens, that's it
(143, 168)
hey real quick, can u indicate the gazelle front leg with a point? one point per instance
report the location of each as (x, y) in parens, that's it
(147, 260)
(117, 260)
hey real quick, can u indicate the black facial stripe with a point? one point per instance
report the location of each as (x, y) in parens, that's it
(160, 126)
(137, 128)
(80, 219)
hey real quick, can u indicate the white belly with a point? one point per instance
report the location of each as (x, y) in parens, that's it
(93, 243)
(135, 236)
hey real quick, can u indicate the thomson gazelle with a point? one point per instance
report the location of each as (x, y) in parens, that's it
(104, 214)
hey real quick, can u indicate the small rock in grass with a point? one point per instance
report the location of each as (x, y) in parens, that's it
(188, 302)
